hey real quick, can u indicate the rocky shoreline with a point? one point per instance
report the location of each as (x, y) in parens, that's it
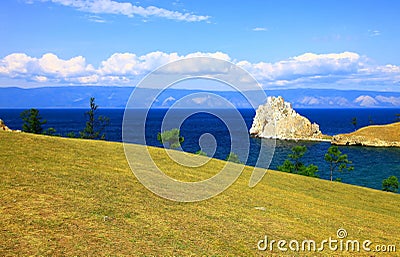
(277, 119)
(377, 136)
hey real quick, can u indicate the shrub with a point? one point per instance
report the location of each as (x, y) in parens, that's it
(200, 152)
(232, 157)
(391, 184)
(172, 137)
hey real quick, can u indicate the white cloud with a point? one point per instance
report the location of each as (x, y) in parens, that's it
(119, 64)
(15, 64)
(154, 60)
(52, 65)
(259, 29)
(305, 65)
(374, 33)
(91, 79)
(128, 9)
(96, 18)
(345, 70)
(41, 79)
(47, 68)
(388, 68)
(131, 64)
(118, 69)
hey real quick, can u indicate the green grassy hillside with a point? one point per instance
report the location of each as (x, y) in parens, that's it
(75, 197)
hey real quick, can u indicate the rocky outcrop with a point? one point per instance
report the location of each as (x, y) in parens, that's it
(378, 136)
(277, 119)
(3, 126)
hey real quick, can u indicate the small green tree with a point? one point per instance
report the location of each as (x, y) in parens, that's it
(232, 157)
(50, 132)
(294, 165)
(337, 160)
(94, 127)
(391, 184)
(287, 166)
(354, 122)
(172, 137)
(309, 171)
(397, 117)
(71, 134)
(32, 121)
(297, 153)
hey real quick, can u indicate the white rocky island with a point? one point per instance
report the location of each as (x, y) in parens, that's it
(277, 119)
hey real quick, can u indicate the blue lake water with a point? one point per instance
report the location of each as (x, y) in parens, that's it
(371, 165)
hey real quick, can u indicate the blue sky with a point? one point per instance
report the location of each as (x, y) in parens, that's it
(284, 44)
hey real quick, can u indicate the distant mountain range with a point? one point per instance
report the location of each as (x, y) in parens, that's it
(117, 97)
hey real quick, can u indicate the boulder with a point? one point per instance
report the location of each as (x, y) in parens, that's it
(277, 119)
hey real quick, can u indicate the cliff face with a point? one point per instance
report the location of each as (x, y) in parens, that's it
(277, 119)
(379, 136)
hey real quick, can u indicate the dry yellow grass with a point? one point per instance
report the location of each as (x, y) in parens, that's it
(389, 132)
(71, 197)
(377, 135)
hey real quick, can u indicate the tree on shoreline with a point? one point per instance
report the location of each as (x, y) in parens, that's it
(391, 184)
(32, 121)
(94, 127)
(337, 160)
(294, 165)
(354, 122)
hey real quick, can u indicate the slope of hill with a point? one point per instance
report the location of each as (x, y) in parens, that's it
(377, 135)
(74, 197)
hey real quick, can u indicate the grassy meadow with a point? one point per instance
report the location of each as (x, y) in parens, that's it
(74, 197)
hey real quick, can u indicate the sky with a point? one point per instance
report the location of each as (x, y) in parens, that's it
(351, 44)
